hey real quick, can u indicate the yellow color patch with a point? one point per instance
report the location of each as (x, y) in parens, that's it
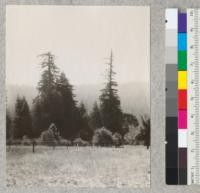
(182, 79)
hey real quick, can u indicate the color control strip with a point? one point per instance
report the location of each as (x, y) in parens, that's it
(171, 61)
(182, 98)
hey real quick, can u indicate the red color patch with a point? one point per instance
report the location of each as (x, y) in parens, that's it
(182, 99)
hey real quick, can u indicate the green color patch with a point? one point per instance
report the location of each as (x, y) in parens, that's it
(182, 60)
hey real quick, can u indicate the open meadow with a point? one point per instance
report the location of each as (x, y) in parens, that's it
(127, 166)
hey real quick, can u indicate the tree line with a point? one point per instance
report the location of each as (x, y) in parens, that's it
(56, 103)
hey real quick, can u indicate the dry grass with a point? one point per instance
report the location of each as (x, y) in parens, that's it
(79, 166)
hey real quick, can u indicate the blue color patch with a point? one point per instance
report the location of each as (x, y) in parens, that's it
(182, 23)
(182, 41)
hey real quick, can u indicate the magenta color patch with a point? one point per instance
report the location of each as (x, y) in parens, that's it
(182, 119)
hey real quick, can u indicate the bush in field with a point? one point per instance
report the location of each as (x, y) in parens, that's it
(117, 139)
(102, 137)
(129, 138)
(14, 142)
(38, 141)
(64, 142)
(80, 142)
(26, 140)
(48, 138)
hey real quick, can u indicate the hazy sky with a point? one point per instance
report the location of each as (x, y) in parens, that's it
(80, 37)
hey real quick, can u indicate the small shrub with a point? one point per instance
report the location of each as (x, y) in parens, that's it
(48, 138)
(102, 137)
(80, 142)
(64, 142)
(26, 141)
(39, 141)
(117, 139)
(14, 142)
(86, 134)
(129, 140)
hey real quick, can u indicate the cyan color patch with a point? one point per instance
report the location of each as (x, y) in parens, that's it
(182, 41)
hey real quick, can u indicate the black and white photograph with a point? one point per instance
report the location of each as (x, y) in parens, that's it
(78, 96)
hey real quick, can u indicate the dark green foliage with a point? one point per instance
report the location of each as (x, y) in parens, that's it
(37, 115)
(112, 116)
(55, 101)
(96, 121)
(67, 123)
(49, 75)
(8, 125)
(86, 132)
(102, 137)
(47, 105)
(22, 120)
(47, 109)
(130, 119)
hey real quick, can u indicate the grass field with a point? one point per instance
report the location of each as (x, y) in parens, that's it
(79, 166)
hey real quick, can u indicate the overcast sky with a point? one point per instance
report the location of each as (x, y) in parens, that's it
(80, 37)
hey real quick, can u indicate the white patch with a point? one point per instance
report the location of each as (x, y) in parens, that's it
(182, 137)
(172, 18)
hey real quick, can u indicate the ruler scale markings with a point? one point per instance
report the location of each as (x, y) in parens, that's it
(191, 97)
(197, 99)
(193, 92)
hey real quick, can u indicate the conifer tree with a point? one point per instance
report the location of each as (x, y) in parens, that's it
(55, 102)
(37, 116)
(112, 117)
(47, 84)
(83, 124)
(95, 117)
(22, 120)
(68, 119)
(48, 101)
